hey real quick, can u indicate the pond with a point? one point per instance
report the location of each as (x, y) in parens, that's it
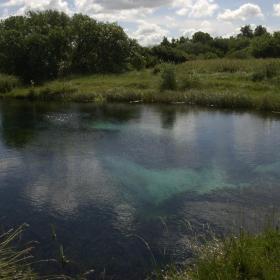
(125, 187)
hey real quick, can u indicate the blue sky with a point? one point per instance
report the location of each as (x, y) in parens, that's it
(149, 20)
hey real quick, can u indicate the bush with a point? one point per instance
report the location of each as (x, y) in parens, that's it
(240, 54)
(156, 70)
(210, 55)
(7, 83)
(168, 77)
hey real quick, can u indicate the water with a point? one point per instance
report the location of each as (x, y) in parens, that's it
(121, 184)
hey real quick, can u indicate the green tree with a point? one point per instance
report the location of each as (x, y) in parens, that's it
(201, 37)
(246, 31)
(260, 31)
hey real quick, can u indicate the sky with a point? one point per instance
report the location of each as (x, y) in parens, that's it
(149, 21)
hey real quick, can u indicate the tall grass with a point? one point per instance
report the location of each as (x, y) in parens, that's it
(7, 83)
(245, 257)
(222, 83)
(168, 78)
(14, 263)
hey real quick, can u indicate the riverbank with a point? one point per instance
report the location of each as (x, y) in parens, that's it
(245, 257)
(248, 256)
(222, 83)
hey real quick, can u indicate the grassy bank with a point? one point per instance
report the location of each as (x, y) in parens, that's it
(248, 84)
(246, 257)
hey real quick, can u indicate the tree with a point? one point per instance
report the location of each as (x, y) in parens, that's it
(246, 31)
(263, 46)
(201, 37)
(260, 30)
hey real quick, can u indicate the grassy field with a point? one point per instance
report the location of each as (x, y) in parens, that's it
(246, 257)
(224, 83)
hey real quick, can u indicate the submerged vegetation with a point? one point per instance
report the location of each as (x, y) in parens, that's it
(245, 257)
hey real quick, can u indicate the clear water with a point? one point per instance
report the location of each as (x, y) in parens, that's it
(121, 183)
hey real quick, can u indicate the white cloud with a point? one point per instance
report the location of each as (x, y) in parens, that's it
(149, 33)
(25, 5)
(276, 8)
(243, 13)
(196, 8)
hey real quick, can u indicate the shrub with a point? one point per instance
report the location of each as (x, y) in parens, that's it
(210, 55)
(168, 77)
(7, 83)
(156, 70)
(240, 54)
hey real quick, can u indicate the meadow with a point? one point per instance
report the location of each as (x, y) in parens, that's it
(223, 83)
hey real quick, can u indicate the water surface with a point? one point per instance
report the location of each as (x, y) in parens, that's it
(112, 179)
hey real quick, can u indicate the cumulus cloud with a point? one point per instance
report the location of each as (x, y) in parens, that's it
(22, 6)
(149, 34)
(196, 8)
(243, 13)
(276, 8)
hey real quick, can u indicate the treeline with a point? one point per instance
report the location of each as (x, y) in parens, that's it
(41, 46)
(45, 45)
(258, 43)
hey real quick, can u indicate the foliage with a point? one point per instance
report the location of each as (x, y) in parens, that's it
(34, 46)
(267, 71)
(168, 77)
(223, 83)
(7, 83)
(245, 257)
(41, 46)
(248, 43)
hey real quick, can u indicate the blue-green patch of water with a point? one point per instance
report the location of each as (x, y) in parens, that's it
(158, 185)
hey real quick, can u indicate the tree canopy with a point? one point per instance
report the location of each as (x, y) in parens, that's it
(46, 45)
(42, 45)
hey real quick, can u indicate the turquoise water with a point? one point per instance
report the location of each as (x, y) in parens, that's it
(104, 176)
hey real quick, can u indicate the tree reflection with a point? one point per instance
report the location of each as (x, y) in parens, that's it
(19, 122)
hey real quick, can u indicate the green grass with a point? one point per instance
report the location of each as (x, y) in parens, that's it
(246, 257)
(224, 83)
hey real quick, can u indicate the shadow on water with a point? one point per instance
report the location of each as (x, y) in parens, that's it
(114, 178)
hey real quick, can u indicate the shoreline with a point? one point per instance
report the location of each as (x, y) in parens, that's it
(219, 83)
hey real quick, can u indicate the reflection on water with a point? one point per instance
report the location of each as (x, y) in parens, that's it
(106, 174)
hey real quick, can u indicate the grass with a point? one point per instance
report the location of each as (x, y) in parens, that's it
(8, 83)
(223, 83)
(16, 263)
(13, 262)
(246, 257)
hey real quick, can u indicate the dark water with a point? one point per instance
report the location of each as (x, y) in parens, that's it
(122, 183)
